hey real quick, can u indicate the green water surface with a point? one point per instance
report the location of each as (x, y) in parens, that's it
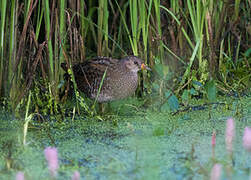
(131, 143)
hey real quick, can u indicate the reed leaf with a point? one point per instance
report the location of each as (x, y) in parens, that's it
(46, 9)
(159, 30)
(102, 27)
(62, 23)
(179, 23)
(134, 24)
(40, 15)
(188, 69)
(2, 33)
(144, 22)
(99, 88)
(12, 45)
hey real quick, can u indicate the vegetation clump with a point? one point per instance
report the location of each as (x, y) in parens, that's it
(194, 47)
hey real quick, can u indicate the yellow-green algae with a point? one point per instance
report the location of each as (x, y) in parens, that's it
(133, 143)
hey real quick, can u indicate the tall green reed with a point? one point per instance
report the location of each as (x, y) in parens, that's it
(197, 16)
(134, 25)
(159, 29)
(47, 20)
(83, 28)
(179, 26)
(2, 40)
(204, 28)
(133, 5)
(139, 12)
(55, 25)
(196, 20)
(102, 44)
(12, 50)
(145, 13)
(40, 15)
(12, 40)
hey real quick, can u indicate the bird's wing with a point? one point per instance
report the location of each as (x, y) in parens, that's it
(89, 74)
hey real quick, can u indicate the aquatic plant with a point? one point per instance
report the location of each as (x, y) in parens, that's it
(20, 176)
(213, 143)
(75, 176)
(216, 172)
(51, 156)
(247, 139)
(229, 135)
(195, 41)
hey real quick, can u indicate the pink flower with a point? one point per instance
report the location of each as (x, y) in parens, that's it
(213, 141)
(20, 176)
(215, 172)
(51, 156)
(247, 139)
(229, 136)
(75, 176)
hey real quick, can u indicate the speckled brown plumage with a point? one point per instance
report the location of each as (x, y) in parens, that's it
(120, 81)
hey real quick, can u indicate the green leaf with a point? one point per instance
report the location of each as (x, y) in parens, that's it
(165, 108)
(159, 69)
(185, 96)
(159, 131)
(193, 91)
(211, 90)
(247, 52)
(172, 102)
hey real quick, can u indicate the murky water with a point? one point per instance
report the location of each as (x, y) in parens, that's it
(134, 144)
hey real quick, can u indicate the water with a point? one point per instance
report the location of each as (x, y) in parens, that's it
(133, 143)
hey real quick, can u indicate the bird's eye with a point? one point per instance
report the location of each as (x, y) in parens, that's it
(136, 63)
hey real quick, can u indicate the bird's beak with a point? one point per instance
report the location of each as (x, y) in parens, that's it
(143, 67)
